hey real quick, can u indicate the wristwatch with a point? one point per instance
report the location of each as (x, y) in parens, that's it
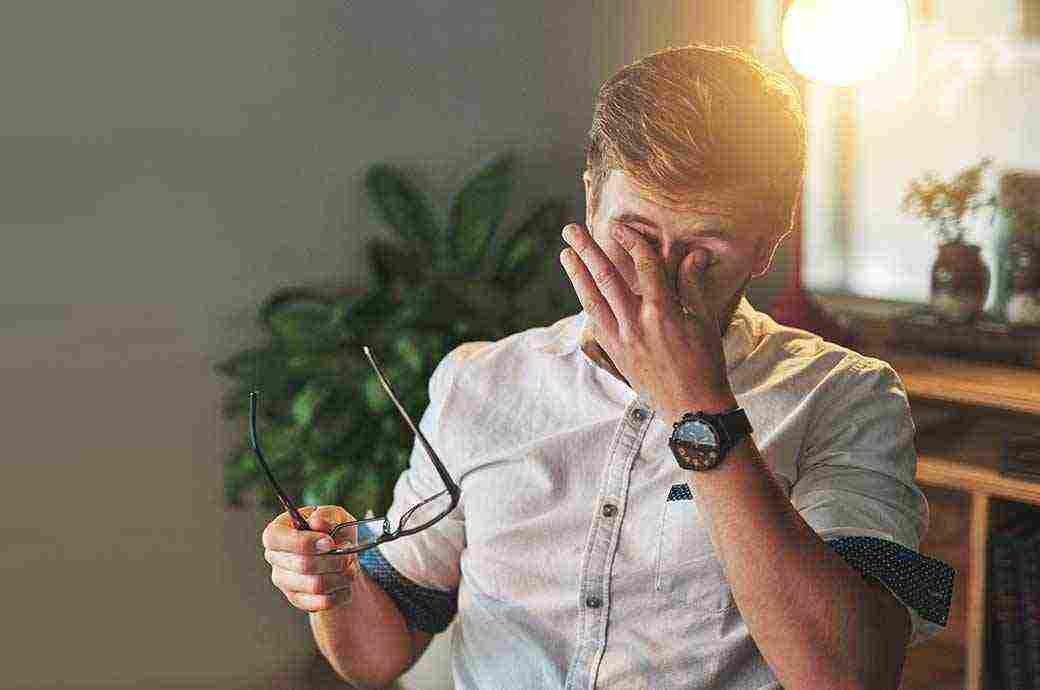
(700, 441)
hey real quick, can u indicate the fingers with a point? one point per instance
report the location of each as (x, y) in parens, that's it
(324, 583)
(310, 564)
(597, 281)
(650, 269)
(281, 535)
(313, 583)
(690, 277)
(324, 518)
(310, 580)
(313, 603)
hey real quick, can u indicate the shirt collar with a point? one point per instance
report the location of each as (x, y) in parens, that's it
(741, 338)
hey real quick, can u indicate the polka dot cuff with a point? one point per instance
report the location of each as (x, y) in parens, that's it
(429, 610)
(922, 583)
(680, 492)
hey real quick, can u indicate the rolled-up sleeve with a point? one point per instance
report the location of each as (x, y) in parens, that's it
(420, 572)
(857, 489)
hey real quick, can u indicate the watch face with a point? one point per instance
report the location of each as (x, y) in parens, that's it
(697, 432)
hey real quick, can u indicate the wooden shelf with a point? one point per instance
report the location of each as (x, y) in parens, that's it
(968, 459)
(955, 475)
(963, 382)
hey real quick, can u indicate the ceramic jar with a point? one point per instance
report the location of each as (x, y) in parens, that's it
(1023, 307)
(1020, 194)
(960, 282)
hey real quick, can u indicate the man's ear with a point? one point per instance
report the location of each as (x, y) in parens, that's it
(764, 253)
(771, 240)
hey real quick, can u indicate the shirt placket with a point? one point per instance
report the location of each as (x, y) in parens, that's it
(594, 585)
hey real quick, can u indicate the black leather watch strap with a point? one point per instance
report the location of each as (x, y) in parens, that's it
(736, 423)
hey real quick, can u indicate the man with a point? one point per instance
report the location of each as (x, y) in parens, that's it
(598, 545)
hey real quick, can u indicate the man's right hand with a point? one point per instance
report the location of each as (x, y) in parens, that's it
(310, 582)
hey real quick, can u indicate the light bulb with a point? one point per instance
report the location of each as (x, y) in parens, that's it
(839, 42)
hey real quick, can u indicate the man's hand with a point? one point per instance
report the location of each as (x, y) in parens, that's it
(667, 345)
(310, 578)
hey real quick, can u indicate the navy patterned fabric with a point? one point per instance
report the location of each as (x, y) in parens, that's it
(680, 492)
(429, 610)
(923, 583)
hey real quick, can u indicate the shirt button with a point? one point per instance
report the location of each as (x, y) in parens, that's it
(592, 602)
(639, 414)
(609, 509)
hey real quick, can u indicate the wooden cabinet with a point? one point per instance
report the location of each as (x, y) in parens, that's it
(963, 410)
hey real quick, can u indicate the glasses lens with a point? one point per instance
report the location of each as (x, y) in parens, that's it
(361, 535)
(426, 511)
(366, 532)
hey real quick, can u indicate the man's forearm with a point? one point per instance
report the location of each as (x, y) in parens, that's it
(818, 623)
(366, 640)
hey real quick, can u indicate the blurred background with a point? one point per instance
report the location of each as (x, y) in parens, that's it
(167, 166)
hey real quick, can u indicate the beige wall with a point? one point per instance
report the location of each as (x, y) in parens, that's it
(165, 166)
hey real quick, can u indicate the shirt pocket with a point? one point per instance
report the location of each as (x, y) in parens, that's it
(686, 570)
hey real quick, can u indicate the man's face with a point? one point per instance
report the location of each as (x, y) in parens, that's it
(739, 244)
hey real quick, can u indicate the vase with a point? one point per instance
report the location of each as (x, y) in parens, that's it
(960, 282)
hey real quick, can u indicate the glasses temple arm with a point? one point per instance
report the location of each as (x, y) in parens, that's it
(453, 488)
(298, 520)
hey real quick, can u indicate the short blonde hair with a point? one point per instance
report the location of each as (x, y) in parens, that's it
(687, 122)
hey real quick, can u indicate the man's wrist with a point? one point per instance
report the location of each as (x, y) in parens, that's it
(709, 404)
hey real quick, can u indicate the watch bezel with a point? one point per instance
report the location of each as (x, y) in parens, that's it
(706, 456)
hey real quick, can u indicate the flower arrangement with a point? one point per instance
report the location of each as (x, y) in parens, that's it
(947, 204)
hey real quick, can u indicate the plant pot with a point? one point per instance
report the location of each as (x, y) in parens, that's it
(960, 282)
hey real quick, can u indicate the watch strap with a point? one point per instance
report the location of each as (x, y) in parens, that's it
(736, 424)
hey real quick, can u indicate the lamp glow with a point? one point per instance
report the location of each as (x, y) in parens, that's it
(839, 42)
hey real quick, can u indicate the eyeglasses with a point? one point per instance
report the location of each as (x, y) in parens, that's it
(417, 518)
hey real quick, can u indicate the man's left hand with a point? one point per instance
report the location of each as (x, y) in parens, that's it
(670, 355)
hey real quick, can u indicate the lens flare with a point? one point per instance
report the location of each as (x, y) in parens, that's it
(839, 42)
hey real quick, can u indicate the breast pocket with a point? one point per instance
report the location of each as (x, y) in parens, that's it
(687, 571)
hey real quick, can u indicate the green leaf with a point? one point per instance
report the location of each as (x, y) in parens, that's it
(375, 396)
(482, 300)
(477, 212)
(520, 257)
(365, 494)
(240, 472)
(407, 347)
(240, 364)
(402, 207)
(391, 263)
(367, 313)
(306, 401)
(332, 486)
(301, 320)
(341, 309)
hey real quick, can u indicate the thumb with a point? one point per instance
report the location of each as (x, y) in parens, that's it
(324, 518)
(690, 288)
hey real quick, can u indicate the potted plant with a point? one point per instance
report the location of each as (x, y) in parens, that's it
(328, 429)
(960, 279)
(1020, 198)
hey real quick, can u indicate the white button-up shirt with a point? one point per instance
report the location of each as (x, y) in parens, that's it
(577, 557)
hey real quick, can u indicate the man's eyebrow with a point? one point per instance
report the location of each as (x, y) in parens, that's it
(632, 217)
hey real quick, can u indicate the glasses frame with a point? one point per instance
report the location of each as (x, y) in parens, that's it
(300, 523)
